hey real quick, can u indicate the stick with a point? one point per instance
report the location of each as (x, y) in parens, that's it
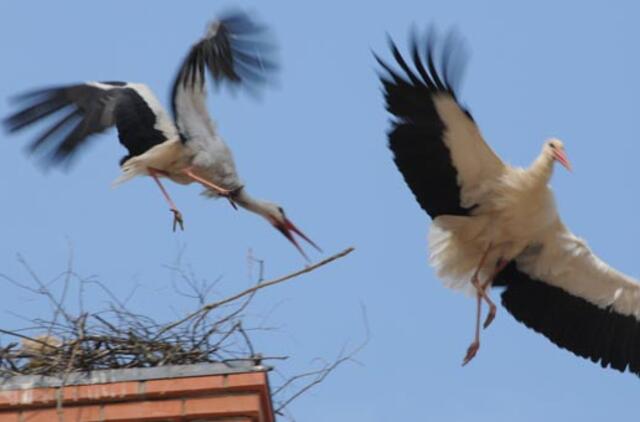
(212, 306)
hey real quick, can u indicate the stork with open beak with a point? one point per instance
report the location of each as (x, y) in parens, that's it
(497, 225)
(234, 50)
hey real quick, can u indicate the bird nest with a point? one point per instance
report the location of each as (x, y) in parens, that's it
(90, 342)
(117, 337)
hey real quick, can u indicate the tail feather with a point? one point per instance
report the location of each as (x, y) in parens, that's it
(130, 169)
(452, 253)
(169, 156)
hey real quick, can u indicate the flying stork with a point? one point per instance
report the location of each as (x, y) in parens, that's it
(497, 225)
(234, 50)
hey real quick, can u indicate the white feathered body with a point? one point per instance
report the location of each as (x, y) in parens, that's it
(210, 160)
(517, 209)
(204, 153)
(553, 282)
(519, 220)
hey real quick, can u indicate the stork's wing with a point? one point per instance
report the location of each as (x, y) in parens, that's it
(79, 111)
(562, 290)
(436, 144)
(236, 51)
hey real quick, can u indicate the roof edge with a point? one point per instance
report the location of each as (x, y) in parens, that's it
(107, 376)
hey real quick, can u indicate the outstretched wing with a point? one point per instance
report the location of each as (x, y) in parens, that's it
(235, 51)
(79, 111)
(562, 290)
(436, 144)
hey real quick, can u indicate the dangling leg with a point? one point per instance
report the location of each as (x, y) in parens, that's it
(480, 294)
(177, 215)
(475, 345)
(492, 307)
(221, 191)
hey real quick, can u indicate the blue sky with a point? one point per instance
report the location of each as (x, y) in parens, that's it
(315, 143)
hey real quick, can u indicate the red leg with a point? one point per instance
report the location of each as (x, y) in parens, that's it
(177, 215)
(492, 307)
(221, 191)
(210, 185)
(475, 345)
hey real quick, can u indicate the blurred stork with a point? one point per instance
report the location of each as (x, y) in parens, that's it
(494, 224)
(234, 51)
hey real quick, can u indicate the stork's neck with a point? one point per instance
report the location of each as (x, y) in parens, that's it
(250, 203)
(541, 170)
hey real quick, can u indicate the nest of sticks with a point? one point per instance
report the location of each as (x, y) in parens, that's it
(90, 343)
(117, 337)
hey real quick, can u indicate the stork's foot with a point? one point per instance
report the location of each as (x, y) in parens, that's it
(226, 193)
(471, 352)
(177, 219)
(229, 194)
(490, 316)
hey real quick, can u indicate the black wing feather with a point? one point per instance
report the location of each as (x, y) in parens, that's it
(570, 322)
(89, 110)
(417, 130)
(236, 51)
(44, 104)
(68, 120)
(136, 124)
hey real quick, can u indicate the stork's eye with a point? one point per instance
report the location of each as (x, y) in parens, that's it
(281, 210)
(553, 146)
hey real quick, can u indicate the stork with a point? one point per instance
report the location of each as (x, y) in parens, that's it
(234, 51)
(497, 225)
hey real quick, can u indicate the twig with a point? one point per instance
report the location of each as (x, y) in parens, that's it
(116, 337)
(22, 336)
(323, 372)
(212, 306)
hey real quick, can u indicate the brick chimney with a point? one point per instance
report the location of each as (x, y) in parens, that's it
(222, 392)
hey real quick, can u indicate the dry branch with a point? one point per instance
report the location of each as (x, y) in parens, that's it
(208, 308)
(117, 337)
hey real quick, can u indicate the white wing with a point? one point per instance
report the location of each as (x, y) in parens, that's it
(77, 112)
(436, 144)
(234, 52)
(564, 260)
(561, 289)
(474, 160)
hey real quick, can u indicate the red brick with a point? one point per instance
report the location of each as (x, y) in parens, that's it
(185, 386)
(143, 410)
(10, 416)
(101, 392)
(71, 414)
(222, 406)
(234, 397)
(27, 397)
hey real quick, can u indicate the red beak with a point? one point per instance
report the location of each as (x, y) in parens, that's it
(287, 229)
(561, 157)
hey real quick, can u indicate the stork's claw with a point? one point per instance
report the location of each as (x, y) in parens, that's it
(471, 352)
(490, 316)
(177, 219)
(229, 194)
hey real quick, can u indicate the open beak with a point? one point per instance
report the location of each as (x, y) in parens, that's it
(561, 157)
(287, 229)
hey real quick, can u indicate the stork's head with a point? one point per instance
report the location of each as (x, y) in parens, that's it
(555, 149)
(274, 213)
